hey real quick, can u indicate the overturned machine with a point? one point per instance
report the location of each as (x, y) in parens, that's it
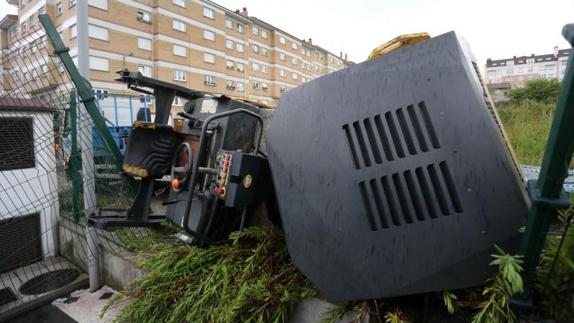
(391, 177)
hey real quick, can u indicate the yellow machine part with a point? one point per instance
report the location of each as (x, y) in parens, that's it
(398, 42)
(254, 102)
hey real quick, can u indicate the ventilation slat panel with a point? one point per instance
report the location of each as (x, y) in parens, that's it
(396, 139)
(414, 119)
(411, 196)
(427, 192)
(21, 242)
(373, 140)
(379, 202)
(392, 201)
(362, 144)
(416, 196)
(384, 137)
(427, 121)
(352, 146)
(367, 206)
(406, 132)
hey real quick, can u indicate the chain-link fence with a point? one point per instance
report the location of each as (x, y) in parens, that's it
(52, 167)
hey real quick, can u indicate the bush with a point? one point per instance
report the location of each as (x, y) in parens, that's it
(251, 279)
(537, 90)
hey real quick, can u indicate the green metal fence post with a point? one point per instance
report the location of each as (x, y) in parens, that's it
(84, 91)
(74, 157)
(547, 195)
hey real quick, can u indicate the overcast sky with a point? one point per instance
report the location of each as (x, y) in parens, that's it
(493, 28)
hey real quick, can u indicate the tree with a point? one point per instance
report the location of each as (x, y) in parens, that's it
(537, 90)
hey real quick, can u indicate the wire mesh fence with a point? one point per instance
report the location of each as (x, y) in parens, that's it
(49, 176)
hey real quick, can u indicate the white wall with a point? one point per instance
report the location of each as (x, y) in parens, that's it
(27, 191)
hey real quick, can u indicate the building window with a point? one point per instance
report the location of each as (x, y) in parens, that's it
(146, 70)
(264, 86)
(282, 40)
(180, 3)
(59, 9)
(240, 67)
(294, 46)
(230, 85)
(179, 50)
(282, 89)
(209, 80)
(240, 86)
(294, 60)
(264, 34)
(255, 48)
(255, 30)
(71, 3)
(282, 56)
(264, 69)
(294, 76)
(282, 73)
(229, 65)
(177, 101)
(98, 32)
(179, 75)
(229, 24)
(144, 16)
(208, 34)
(255, 85)
(17, 143)
(31, 22)
(179, 25)
(229, 43)
(255, 66)
(264, 51)
(144, 43)
(23, 27)
(240, 28)
(240, 47)
(101, 93)
(99, 63)
(209, 13)
(73, 31)
(209, 58)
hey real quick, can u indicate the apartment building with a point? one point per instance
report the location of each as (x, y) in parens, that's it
(194, 43)
(516, 71)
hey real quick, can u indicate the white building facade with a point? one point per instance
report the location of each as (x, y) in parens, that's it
(516, 71)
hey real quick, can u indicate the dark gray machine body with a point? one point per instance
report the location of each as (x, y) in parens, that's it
(393, 176)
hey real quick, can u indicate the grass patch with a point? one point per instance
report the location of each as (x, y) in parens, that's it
(527, 126)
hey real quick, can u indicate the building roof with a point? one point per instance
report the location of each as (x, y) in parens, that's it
(20, 104)
(245, 18)
(8, 21)
(519, 60)
(498, 86)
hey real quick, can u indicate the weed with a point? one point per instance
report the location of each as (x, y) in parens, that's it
(506, 283)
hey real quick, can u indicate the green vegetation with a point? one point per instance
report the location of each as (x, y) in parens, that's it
(506, 283)
(527, 126)
(537, 90)
(251, 279)
(555, 275)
